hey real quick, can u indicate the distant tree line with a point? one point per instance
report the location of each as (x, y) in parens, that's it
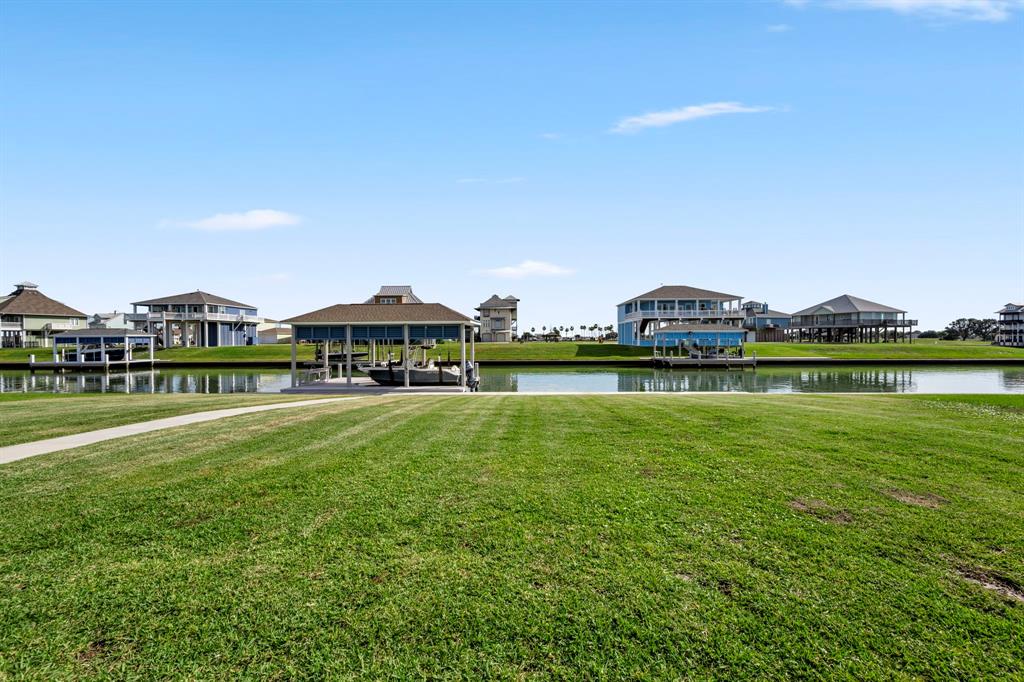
(963, 329)
(589, 331)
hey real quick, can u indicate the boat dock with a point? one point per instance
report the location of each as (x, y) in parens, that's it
(727, 363)
(98, 350)
(363, 385)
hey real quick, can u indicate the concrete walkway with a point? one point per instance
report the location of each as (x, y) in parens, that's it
(13, 453)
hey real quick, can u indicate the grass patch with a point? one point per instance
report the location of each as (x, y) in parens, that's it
(572, 350)
(37, 416)
(919, 350)
(516, 536)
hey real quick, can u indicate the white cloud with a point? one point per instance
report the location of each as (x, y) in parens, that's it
(778, 28)
(551, 136)
(958, 10)
(529, 268)
(967, 10)
(256, 219)
(658, 119)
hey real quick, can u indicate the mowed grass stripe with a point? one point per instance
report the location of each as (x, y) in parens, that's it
(26, 420)
(577, 536)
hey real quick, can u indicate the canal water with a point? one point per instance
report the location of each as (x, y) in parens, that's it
(802, 379)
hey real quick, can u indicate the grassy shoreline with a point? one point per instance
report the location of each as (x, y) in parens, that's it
(590, 352)
(723, 536)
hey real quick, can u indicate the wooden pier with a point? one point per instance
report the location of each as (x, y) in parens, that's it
(90, 365)
(706, 362)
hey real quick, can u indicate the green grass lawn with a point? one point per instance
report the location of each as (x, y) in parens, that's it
(920, 349)
(35, 416)
(571, 350)
(726, 536)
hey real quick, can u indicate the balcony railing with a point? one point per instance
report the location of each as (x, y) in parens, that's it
(63, 326)
(179, 317)
(852, 323)
(684, 314)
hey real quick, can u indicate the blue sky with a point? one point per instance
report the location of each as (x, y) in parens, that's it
(298, 155)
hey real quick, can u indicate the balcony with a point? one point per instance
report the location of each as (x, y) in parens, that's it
(685, 314)
(63, 326)
(820, 324)
(183, 317)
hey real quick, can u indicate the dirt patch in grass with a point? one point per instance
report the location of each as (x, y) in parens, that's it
(927, 500)
(821, 511)
(1005, 587)
(94, 650)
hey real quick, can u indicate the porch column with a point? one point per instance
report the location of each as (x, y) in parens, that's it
(294, 373)
(151, 343)
(405, 355)
(327, 356)
(472, 346)
(348, 354)
(462, 356)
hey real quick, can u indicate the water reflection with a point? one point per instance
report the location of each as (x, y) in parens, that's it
(176, 381)
(853, 379)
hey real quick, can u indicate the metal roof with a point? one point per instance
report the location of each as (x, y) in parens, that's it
(1011, 308)
(196, 297)
(30, 301)
(682, 291)
(849, 304)
(496, 301)
(404, 290)
(382, 313)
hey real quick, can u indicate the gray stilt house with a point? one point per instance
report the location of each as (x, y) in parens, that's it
(1011, 326)
(849, 319)
(196, 319)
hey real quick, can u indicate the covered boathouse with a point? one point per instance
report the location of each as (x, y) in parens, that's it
(380, 324)
(98, 348)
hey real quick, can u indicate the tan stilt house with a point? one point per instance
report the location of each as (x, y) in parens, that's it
(30, 319)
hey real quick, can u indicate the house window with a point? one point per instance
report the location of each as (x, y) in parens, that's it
(388, 300)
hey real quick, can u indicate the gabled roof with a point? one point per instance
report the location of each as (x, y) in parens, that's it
(680, 291)
(771, 313)
(1011, 308)
(371, 313)
(396, 290)
(849, 304)
(194, 298)
(496, 302)
(27, 300)
(694, 327)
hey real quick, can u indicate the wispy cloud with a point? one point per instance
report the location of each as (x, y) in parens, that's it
(659, 119)
(529, 268)
(778, 28)
(949, 10)
(551, 136)
(489, 181)
(256, 219)
(964, 10)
